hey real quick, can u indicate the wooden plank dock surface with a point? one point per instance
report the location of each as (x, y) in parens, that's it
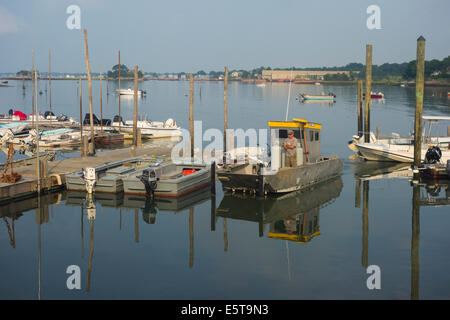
(56, 170)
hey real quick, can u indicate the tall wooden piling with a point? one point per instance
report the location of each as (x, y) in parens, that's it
(120, 119)
(32, 88)
(191, 113)
(91, 118)
(420, 67)
(360, 108)
(50, 84)
(37, 139)
(81, 121)
(225, 111)
(368, 91)
(213, 177)
(101, 101)
(135, 111)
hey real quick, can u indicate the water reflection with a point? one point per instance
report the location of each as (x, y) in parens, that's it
(293, 216)
(426, 193)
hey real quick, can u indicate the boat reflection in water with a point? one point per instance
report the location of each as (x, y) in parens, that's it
(149, 207)
(293, 216)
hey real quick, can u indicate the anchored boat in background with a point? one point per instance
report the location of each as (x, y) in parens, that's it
(322, 97)
(130, 92)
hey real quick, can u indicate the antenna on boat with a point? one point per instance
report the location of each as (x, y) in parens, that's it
(289, 95)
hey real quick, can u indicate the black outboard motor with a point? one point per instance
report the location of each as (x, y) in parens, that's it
(149, 211)
(11, 112)
(433, 155)
(48, 113)
(118, 119)
(149, 180)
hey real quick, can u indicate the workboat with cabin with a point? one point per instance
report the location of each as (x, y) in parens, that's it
(169, 180)
(321, 97)
(401, 149)
(108, 176)
(311, 167)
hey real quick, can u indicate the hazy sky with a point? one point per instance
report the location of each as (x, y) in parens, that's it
(193, 35)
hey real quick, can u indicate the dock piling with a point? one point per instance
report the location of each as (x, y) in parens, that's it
(225, 113)
(360, 109)
(135, 106)
(213, 177)
(191, 113)
(420, 67)
(50, 85)
(120, 119)
(368, 92)
(91, 118)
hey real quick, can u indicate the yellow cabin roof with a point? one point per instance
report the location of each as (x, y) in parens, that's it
(293, 237)
(295, 123)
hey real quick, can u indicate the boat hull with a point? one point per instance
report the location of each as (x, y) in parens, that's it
(377, 152)
(285, 179)
(171, 183)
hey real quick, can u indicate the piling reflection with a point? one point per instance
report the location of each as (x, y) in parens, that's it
(425, 193)
(293, 216)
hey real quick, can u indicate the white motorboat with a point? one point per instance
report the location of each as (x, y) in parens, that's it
(401, 149)
(154, 129)
(130, 92)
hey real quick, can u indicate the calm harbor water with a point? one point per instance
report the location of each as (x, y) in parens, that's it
(232, 247)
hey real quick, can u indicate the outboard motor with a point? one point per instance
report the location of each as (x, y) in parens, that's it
(149, 179)
(62, 117)
(90, 178)
(11, 112)
(118, 119)
(433, 155)
(170, 123)
(32, 137)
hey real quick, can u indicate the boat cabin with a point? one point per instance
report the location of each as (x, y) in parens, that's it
(308, 140)
(301, 228)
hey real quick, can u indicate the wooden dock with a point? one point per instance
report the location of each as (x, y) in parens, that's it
(53, 172)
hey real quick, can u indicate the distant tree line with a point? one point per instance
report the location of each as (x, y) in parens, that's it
(434, 69)
(124, 72)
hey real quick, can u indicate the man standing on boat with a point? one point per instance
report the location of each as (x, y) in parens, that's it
(290, 145)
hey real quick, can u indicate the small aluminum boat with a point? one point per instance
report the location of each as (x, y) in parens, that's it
(108, 177)
(169, 180)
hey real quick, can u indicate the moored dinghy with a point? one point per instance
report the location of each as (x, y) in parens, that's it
(168, 180)
(108, 177)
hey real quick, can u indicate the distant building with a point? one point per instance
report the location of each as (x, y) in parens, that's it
(298, 74)
(236, 74)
